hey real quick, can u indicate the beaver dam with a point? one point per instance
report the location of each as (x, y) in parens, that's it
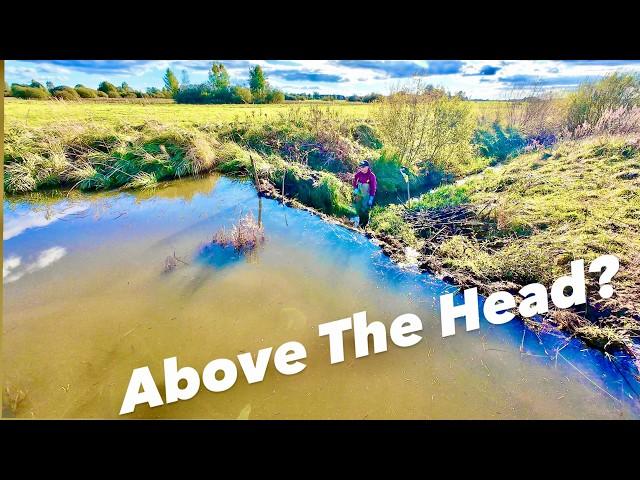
(89, 298)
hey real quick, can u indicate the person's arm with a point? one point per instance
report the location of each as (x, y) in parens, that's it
(354, 183)
(373, 186)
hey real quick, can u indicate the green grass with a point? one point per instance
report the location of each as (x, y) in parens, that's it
(37, 113)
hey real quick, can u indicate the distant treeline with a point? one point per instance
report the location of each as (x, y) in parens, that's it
(36, 90)
(217, 89)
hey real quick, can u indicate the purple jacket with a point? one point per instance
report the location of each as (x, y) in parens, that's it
(369, 178)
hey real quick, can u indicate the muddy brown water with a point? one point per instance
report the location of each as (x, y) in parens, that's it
(86, 301)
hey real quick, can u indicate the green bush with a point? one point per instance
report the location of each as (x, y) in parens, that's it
(242, 95)
(86, 92)
(499, 143)
(110, 89)
(320, 190)
(24, 91)
(391, 182)
(63, 92)
(101, 94)
(592, 99)
(274, 96)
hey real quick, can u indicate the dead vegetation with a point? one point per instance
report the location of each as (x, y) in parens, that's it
(245, 236)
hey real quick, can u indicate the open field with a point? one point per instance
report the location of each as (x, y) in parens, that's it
(42, 112)
(38, 112)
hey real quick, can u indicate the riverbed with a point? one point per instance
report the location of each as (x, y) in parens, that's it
(87, 299)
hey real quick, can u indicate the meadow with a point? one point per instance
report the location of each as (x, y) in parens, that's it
(43, 112)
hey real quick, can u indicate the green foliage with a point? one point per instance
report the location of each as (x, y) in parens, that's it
(242, 95)
(171, 82)
(219, 77)
(274, 96)
(258, 84)
(85, 92)
(64, 92)
(592, 99)
(425, 125)
(101, 94)
(444, 196)
(391, 182)
(27, 91)
(499, 143)
(109, 89)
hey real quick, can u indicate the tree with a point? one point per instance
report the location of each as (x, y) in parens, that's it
(218, 76)
(109, 89)
(35, 84)
(171, 82)
(424, 125)
(257, 83)
(50, 85)
(242, 95)
(274, 96)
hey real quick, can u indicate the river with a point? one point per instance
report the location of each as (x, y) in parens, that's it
(87, 300)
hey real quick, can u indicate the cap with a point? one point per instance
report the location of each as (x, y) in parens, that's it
(363, 163)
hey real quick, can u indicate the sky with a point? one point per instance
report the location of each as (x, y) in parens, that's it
(481, 79)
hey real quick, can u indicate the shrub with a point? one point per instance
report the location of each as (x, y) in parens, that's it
(592, 99)
(24, 91)
(391, 182)
(101, 94)
(86, 92)
(422, 124)
(65, 93)
(110, 89)
(499, 143)
(242, 95)
(274, 96)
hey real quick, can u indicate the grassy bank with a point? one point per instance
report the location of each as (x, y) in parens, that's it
(525, 221)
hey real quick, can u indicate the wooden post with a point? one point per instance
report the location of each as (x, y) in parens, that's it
(255, 174)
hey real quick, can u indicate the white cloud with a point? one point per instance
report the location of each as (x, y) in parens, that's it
(14, 226)
(12, 272)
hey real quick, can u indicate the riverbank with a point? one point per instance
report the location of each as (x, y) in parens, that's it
(527, 220)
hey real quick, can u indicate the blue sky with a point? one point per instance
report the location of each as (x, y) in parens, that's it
(486, 79)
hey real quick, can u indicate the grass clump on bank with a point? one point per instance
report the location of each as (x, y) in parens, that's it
(94, 157)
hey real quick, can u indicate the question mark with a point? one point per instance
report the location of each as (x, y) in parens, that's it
(611, 264)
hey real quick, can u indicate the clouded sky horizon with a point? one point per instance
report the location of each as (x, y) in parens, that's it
(481, 79)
